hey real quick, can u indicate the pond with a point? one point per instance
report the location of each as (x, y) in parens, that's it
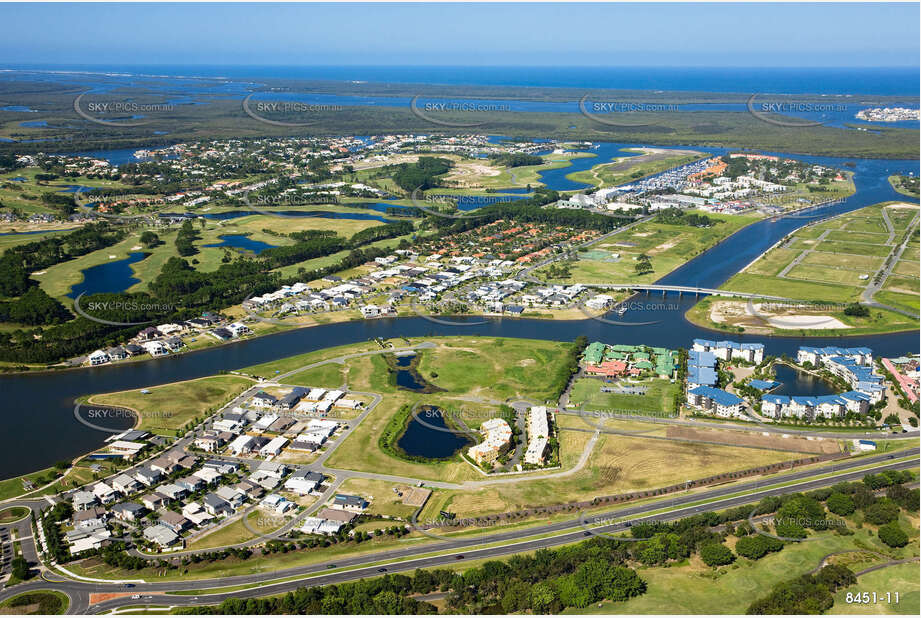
(243, 242)
(111, 277)
(405, 376)
(422, 439)
(799, 383)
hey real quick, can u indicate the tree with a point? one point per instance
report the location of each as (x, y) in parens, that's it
(543, 598)
(757, 546)
(892, 535)
(387, 602)
(643, 265)
(516, 597)
(881, 512)
(716, 554)
(20, 568)
(149, 239)
(856, 310)
(840, 504)
(797, 514)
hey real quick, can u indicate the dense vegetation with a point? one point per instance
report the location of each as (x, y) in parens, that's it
(807, 594)
(515, 159)
(676, 216)
(54, 538)
(17, 262)
(179, 291)
(186, 238)
(422, 174)
(546, 582)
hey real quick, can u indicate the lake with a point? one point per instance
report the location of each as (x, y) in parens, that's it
(421, 439)
(110, 277)
(243, 242)
(795, 382)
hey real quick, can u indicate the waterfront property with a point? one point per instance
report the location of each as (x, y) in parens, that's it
(809, 408)
(496, 439)
(715, 400)
(730, 350)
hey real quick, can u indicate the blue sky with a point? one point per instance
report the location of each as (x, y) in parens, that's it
(809, 35)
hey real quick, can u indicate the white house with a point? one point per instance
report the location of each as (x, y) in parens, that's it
(98, 358)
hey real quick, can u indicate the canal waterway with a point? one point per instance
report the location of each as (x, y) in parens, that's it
(38, 415)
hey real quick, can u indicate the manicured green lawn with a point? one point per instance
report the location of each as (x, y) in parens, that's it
(854, 248)
(899, 578)
(494, 368)
(827, 274)
(325, 376)
(799, 290)
(659, 397)
(868, 264)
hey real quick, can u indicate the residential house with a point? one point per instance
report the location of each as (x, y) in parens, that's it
(125, 484)
(128, 511)
(161, 535)
(92, 517)
(216, 506)
(356, 504)
(153, 501)
(83, 500)
(174, 521)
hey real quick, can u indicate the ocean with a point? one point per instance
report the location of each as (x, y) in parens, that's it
(902, 81)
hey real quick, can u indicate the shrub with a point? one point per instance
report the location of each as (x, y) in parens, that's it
(716, 554)
(840, 504)
(757, 546)
(881, 512)
(892, 535)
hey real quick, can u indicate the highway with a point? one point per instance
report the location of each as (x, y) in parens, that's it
(509, 542)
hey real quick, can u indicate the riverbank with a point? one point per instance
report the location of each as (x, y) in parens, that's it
(829, 264)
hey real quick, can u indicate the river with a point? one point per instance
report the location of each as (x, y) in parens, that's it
(38, 408)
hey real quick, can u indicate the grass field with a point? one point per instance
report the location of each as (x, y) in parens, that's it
(855, 245)
(384, 501)
(59, 279)
(36, 602)
(634, 168)
(694, 588)
(493, 368)
(238, 532)
(13, 513)
(906, 267)
(27, 195)
(325, 376)
(668, 246)
(12, 487)
(659, 397)
(164, 409)
(8, 240)
(617, 464)
(901, 578)
(290, 363)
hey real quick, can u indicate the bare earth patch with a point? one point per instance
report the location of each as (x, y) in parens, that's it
(737, 313)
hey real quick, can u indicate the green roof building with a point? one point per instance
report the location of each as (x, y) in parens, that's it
(594, 353)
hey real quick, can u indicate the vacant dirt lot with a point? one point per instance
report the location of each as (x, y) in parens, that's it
(772, 441)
